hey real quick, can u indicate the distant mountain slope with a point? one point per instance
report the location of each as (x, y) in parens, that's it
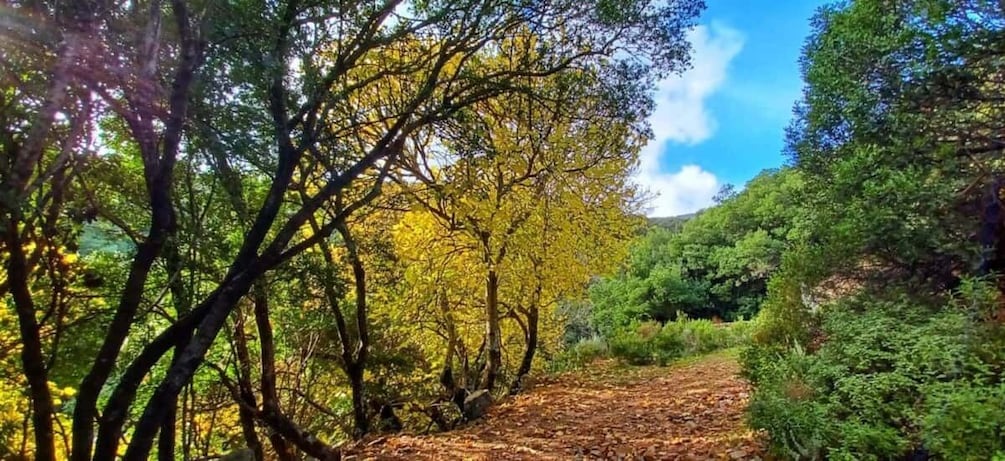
(670, 222)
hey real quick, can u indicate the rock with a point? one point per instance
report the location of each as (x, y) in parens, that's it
(738, 454)
(476, 404)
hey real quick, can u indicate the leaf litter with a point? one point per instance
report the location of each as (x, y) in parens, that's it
(691, 411)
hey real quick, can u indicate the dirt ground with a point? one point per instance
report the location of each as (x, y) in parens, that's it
(689, 411)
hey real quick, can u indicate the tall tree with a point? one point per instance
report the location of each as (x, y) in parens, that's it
(507, 160)
(899, 134)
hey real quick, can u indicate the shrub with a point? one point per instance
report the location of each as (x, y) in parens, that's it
(698, 336)
(785, 404)
(649, 343)
(581, 353)
(758, 362)
(892, 376)
(630, 346)
(668, 345)
(740, 332)
(784, 319)
(964, 420)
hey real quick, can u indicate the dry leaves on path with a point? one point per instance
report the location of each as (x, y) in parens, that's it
(691, 411)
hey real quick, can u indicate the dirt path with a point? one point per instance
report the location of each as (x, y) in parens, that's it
(689, 411)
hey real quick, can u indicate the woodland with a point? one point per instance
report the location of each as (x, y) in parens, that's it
(276, 230)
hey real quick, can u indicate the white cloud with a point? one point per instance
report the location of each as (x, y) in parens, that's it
(681, 117)
(685, 191)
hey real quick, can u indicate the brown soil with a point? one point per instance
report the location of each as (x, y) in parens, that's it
(689, 411)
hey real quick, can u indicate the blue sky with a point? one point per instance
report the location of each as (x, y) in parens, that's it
(723, 121)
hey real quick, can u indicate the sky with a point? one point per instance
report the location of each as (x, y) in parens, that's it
(723, 121)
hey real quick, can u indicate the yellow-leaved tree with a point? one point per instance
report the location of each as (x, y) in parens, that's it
(522, 197)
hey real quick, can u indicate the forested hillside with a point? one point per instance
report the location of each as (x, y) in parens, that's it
(287, 229)
(713, 265)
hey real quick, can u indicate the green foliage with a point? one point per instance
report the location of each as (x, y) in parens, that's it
(651, 343)
(784, 319)
(874, 341)
(633, 348)
(893, 92)
(580, 354)
(715, 264)
(965, 420)
(892, 376)
(784, 404)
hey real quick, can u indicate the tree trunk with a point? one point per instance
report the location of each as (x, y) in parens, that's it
(361, 424)
(270, 397)
(528, 354)
(159, 155)
(447, 379)
(493, 333)
(168, 431)
(245, 415)
(116, 410)
(32, 354)
(357, 363)
(182, 303)
(992, 229)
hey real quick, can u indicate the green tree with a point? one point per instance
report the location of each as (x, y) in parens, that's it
(716, 264)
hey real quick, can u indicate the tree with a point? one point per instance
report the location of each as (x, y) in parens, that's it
(517, 161)
(900, 138)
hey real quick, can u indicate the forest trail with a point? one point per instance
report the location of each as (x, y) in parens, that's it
(692, 410)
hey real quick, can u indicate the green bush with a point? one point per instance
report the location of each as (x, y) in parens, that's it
(784, 319)
(632, 347)
(964, 420)
(649, 343)
(891, 376)
(700, 335)
(785, 405)
(758, 362)
(668, 345)
(740, 332)
(581, 353)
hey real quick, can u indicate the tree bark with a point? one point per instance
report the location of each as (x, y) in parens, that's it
(528, 354)
(32, 355)
(493, 333)
(270, 397)
(159, 157)
(27, 159)
(182, 302)
(356, 367)
(361, 423)
(247, 391)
